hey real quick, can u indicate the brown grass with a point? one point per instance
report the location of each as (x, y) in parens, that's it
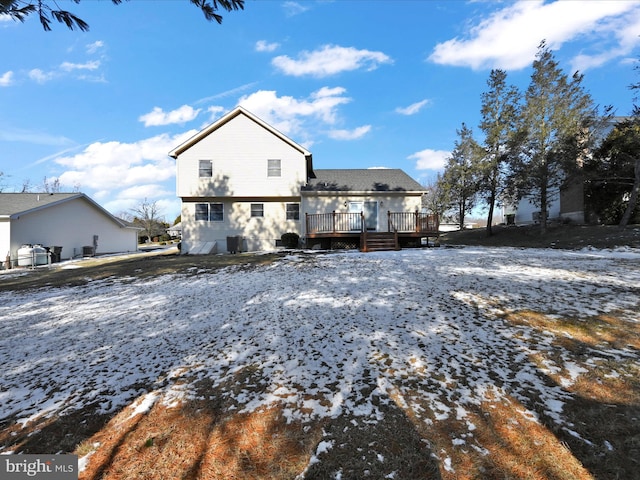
(206, 437)
(192, 440)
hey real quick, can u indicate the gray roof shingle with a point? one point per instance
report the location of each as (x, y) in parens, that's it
(362, 180)
(14, 203)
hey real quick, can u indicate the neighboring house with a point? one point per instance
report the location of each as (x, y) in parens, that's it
(243, 184)
(175, 231)
(567, 204)
(72, 221)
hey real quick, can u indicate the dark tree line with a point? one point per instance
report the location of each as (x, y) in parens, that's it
(537, 142)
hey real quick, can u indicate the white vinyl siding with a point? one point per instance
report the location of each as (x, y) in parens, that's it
(258, 233)
(70, 225)
(239, 151)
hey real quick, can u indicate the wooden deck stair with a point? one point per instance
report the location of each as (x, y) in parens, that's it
(380, 241)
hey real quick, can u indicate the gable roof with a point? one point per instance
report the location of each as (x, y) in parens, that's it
(226, 119)
(12, 205)
(363, 180)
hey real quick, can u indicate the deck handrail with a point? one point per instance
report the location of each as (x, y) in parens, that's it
(335, 222)
(348, 222)
(405, 222)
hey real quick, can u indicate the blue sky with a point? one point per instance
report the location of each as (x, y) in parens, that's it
(359, 83)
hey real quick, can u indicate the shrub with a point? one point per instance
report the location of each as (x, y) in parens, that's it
(290, 240)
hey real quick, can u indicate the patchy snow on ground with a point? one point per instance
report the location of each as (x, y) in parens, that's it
(313, 332)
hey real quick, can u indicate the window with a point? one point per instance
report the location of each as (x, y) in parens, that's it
(257, 209)
(293, 211)
(274, 168)
(216, 212)
(202, 211)
(205, 169)
(209, 212)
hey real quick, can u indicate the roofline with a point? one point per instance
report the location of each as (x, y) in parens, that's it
(225, 119)
(67, 199)
(360, 192)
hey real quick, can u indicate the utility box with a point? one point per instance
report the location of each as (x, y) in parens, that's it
(234, 244)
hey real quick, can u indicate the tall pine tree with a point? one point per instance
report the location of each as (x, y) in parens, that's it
(556, 120)
(499, 123)
(462, 174)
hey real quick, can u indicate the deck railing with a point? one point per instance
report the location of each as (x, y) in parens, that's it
(335, 222)
(409, 222)
(400, 222)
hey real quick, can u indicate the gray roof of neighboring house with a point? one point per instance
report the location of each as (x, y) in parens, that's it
(362, 180)
(14, 204)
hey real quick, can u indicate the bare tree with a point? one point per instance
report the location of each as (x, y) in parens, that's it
(146, 214)
(51, 185)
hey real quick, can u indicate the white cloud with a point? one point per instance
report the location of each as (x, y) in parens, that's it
(264, 46)
(149, 190)
(168, 205)
(330, 60)
(354, 134)
(226, 93)
(94, 47)
(509, 38)
(430, 159)
(623, 29)
(69, 67)
(110, 167)
(413, 108)
(6, 79)
(292, 116)
(40, 76)
(294, 8)
(157, 116)
(215, 112)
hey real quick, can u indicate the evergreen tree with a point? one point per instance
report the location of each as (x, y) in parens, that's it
(500, 111)
(461, 176)
(613, 174)
(556, 121)
(48, 10)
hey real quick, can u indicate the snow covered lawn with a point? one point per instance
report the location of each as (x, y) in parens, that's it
(439, 333)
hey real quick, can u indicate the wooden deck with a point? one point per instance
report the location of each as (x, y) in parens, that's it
(348, 230)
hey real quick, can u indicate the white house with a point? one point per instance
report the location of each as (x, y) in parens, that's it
(240, 179)
(72, 221)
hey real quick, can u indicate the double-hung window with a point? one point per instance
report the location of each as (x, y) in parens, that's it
(209, 212)
(274, 168)
(293, 211)
(257, 209)
(216, 212)
(205, 169)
